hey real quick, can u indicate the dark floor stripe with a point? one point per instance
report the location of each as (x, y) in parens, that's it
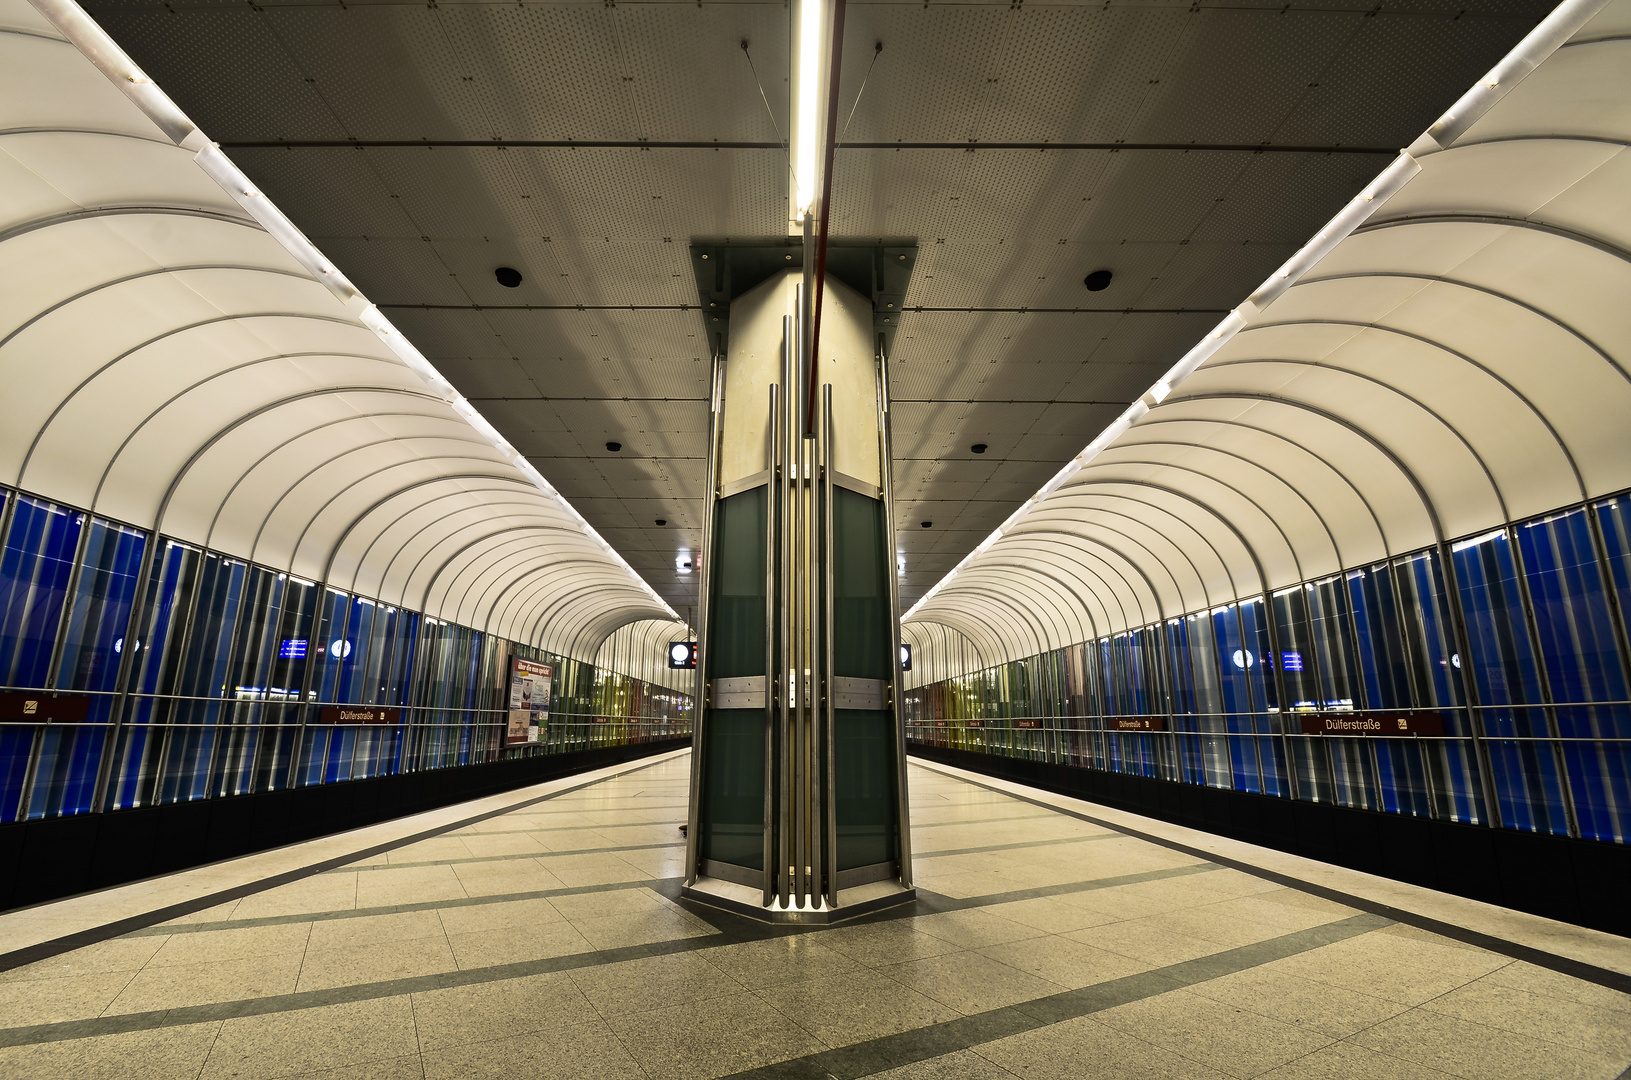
(90, 936)
(919, 856)
(167, 930)
(515, 857)
(938, 903)
(1564, 965)
(937, 1040)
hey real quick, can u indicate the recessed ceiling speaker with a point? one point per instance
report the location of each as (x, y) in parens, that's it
(1098, 280)
(510, 277)
(977, 448)
(614, 447)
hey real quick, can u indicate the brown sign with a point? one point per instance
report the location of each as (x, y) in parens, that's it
(1027, 723)
(357, 714)
(45, 708)
(1373, 724)
(974, 723)
(1138, 723)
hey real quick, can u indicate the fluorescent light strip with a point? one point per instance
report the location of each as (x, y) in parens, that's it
(1540, 43)
(94, 43)
(808, 126)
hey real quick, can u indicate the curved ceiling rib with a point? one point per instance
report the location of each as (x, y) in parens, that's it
(1457, 361)
(175, 354)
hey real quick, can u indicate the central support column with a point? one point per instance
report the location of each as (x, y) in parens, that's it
(798, 809)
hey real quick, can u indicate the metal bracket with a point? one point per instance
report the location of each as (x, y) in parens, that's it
(848, 693)
(725, 269)
(744, 692)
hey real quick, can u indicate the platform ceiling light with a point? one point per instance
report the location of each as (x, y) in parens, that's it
(1541, 42)
(94, 43)
(807, 126)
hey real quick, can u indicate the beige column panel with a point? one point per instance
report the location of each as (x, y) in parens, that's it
(848, 362)
(753, 365)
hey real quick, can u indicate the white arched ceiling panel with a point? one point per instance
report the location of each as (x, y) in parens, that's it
(640, 649)
(233, 489)
(398, 541)
(1449, 354)
(1329, 495)
(174, 354)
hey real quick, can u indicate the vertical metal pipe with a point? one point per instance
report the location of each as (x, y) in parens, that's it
(829, 757)
(886, 475)
(784, 610)
(772, 657)
(704, 564)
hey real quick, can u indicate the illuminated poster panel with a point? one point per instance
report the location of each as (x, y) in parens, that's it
(529, 702)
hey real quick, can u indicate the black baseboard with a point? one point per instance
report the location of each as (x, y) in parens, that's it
(1584, 882)
(57, 857)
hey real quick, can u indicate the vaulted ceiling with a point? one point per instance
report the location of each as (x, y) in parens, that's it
(1189, 148)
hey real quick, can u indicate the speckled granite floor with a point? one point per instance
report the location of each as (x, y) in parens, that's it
(547, 942)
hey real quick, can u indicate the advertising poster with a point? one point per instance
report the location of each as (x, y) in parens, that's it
(529, 702)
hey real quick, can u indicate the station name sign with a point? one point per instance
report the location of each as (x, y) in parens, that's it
(1136, 723)
(1394, 725)
(45, 708)
(357, 714)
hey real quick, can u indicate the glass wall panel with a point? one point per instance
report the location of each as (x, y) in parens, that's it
(1583, 663)
(1505, 672)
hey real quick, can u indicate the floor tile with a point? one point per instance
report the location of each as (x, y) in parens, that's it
(379, 962)
(308, 1040)
(500, 1009)
(962, 1065)
(636, 986)
(973, 929)
(1230, 1040)
(971, 982)
(1065, 961)
(1075, 1049)
(713, 1037)
(1346, 1061)
(1321, 1007)
(858, 1006)
(591, 1053)
(780, 960)
(178, 985)
(1479, 1052)
(173, 1053)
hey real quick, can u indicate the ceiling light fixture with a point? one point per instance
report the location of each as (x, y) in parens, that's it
(807, 117)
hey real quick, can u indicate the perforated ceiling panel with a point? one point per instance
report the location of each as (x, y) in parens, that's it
(597, 346)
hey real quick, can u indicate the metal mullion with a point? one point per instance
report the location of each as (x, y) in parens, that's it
(710, 508)
(886, 475)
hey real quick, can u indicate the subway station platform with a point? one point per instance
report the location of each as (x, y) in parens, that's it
(539, 934)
